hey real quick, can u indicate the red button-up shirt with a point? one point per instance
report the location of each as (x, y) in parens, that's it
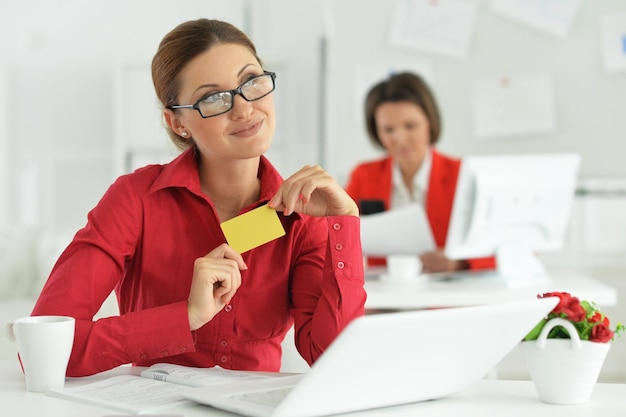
(141, 240)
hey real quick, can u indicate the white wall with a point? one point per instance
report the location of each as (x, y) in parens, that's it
(4, 151)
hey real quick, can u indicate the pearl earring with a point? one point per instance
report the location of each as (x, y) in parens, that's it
(184, 134)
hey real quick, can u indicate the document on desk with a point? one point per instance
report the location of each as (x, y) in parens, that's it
(401, 231)
(158, 387)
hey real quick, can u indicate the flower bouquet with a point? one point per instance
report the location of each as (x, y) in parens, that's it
(590, 323)
(565, 350)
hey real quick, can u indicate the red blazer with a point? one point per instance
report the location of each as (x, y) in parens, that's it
(372, 181)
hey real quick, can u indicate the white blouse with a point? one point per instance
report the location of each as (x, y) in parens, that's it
(400, 195)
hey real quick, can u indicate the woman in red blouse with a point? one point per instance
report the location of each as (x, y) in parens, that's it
(402, 118)
(185, 295)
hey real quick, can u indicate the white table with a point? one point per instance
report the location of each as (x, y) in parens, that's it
(489, 398)
(428, 293)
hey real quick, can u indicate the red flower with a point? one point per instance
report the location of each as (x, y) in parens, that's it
(601, 333)
(597, 318)
(568, 307)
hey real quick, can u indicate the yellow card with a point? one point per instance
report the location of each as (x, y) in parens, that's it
(253, 228)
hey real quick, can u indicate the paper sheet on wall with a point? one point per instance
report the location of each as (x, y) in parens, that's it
(401, 231)
(512, 106)
(443, 27)
(551, 16)
(369, 75)
(614, 42)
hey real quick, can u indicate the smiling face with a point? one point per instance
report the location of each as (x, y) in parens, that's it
(404, 131)
(242, 133)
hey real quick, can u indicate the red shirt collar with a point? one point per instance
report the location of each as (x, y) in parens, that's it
(183, 172)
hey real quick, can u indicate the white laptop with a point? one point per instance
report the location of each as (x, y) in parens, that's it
(389, 359)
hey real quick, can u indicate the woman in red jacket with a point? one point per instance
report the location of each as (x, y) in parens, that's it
(402, 118)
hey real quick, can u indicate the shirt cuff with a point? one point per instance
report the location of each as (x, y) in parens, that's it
(159, 332)
(345, 246)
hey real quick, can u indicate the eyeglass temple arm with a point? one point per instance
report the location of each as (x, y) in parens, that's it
(182, 106)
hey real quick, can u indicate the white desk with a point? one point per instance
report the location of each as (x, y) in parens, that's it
(441, 293)
(489, 398)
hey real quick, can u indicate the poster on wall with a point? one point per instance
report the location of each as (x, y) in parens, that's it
(513, 106)
(614, 42)
(550, 16)
(442, 27)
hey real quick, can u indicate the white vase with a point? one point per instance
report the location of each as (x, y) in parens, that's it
(564, 371)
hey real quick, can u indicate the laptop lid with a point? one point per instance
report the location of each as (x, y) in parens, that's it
(396, 358)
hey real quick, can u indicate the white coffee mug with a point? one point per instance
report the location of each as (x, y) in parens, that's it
(44, 344)
(403, 268)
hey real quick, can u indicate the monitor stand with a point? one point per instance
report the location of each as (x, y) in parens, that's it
(518, 265)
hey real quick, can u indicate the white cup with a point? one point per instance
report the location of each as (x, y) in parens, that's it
(403, 268)
(44, 344)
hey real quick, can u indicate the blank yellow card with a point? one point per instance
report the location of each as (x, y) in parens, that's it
(253, 228)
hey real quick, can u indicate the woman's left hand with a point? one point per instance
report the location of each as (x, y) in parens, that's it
(313, 191)
(437, 261)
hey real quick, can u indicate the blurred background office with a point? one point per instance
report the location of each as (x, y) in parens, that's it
(511, 76)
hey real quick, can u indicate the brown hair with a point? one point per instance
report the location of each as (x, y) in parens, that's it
(400, 87)
(181, 45)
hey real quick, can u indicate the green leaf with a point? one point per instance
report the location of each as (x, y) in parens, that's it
(534, 333)
(619, 328)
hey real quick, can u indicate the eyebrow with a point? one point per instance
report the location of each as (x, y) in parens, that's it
(241, 71)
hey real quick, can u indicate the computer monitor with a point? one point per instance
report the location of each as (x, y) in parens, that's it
(511, 207)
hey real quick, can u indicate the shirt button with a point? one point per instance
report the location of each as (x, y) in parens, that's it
(336, 226)
(143, 356)
(182, 349)
(164, 353)
(223, 343)
(339, 246)
(228, 308)
(224, 359)
(340, 265)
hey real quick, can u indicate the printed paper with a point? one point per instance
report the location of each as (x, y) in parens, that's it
(551, 16)
(401, 231)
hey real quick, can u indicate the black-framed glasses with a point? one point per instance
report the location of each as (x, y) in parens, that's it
(215, 104)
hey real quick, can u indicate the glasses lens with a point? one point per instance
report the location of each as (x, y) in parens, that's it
(216, 104)
(253, 89)
(258, 87)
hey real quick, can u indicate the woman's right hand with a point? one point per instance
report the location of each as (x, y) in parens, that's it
(216, 278)
(313, 191)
